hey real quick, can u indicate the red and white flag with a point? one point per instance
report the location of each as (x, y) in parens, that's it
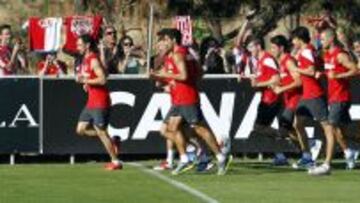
(184, 24)
(45, 34)
(76, 26)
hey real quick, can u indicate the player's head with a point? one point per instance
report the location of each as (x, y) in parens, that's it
(300, 36)
(254, 45)
(170, 37)
(5, 33)
(86, 43)
(279, 45)
(328, 38)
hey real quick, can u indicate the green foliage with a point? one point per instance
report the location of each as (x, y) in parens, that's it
(200, 29)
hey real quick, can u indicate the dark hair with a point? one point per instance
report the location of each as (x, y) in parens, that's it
(172, 33)
(4, 27)
(87, 39)
(302, 33)
(257, 40)
(206, 44)
(281, 41)
(127, 37)
(327, 5)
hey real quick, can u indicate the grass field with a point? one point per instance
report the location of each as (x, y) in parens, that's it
(245, 182)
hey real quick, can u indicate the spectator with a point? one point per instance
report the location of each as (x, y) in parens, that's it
(132, 60)
(50, 65)
(325, 21)
(210, 55)
(110, 53)
(240, 56)
(356, 49)
(11, 60)
(345, 41)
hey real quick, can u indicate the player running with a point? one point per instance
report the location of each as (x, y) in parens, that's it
(290, 88)
(185, 108)
(339, 69)
(194, 149)
(312, 103)
(94, 117)
(267, 76)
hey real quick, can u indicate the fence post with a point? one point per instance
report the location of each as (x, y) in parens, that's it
(12, 159)
(72, 159)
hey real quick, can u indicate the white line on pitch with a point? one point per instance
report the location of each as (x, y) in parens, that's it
(175, 183)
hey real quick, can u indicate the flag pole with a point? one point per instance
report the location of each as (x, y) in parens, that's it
(149, 39)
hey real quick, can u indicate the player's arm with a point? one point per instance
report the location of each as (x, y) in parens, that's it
(273, 70)
(295, 75)
(310, 71)
(274, 80)
(100, 74)
(239, 40)
(344, 60)
(23, 61)
(179, 61)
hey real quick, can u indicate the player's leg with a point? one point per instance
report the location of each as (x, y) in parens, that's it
(208, 137)
(185, 163)
(330, 141)
(266, 114)
(106, 140)
(193, 116)
(169, 135)
(301, 140)
(311, 147)
(177, 135)
(100, 122)
(319, 110)
(339, 117)
(301, 115)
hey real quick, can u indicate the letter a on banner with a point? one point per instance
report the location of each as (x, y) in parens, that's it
(183, 23)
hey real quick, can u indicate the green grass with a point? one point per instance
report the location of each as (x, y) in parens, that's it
(245, 182)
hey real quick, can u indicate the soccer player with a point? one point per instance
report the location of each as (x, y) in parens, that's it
(312, 103)
(94, 118)
(339, 69)
(267, 76)
(185, 108)
(290, 88)
(195, 150)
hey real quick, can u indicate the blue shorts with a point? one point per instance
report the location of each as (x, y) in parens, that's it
(313, 108)
(191, 114)
(339, 113)
(97, 117)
